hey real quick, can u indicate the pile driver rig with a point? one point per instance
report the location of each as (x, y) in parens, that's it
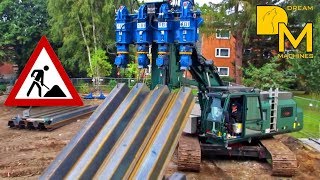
(167, 32)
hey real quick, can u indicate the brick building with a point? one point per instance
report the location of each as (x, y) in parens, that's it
(8, 70)
(220, 47)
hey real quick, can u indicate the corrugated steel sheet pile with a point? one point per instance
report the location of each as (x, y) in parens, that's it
(50, 118)
(131, 135)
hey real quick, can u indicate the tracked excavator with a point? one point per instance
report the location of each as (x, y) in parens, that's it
(133, 133)
(234, 120)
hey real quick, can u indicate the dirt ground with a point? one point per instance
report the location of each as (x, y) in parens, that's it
(24, 154)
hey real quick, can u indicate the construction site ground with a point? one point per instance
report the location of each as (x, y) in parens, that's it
(24, 154)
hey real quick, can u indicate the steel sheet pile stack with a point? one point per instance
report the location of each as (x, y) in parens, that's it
(131, 135)
(50, 118)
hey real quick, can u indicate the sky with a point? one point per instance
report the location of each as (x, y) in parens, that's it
(201, 2)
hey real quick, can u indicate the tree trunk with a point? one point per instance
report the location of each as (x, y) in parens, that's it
(93, 29)
(239, 56)
(86, 44)
(239, 47)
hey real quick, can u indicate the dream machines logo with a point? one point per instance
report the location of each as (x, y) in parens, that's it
(273, 20)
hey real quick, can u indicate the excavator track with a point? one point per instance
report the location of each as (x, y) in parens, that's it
(284, 161)
(189, 153)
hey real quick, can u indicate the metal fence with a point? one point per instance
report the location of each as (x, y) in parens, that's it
(105, 81)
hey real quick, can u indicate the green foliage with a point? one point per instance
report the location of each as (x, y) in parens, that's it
(148, 82)
(100, 65)
(3, 87)
(80, 27)
(22, 23)
(311, 121)
(131, 71)
(308, 70)
(83, 88)
(239, 17)
(112, 83)
(268, 76)
(227, 79)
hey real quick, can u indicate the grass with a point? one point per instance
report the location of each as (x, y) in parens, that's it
(311, 117)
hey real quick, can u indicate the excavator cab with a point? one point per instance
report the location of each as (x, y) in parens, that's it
(233, 117)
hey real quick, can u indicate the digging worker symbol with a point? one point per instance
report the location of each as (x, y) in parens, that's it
(55, 91)
(38, 80)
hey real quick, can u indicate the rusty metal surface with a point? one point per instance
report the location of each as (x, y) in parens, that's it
(164, 140)
(68, 156)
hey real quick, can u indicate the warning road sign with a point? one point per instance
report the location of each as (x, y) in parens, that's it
(43, 81)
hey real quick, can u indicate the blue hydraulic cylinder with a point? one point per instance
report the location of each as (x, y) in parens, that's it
(188, 32)
(185, 52)
(143, 59)
(164, 34)
(124, 36)
(143, 37)
(163, 57)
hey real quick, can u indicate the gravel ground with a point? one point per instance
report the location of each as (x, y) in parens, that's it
(25, 154)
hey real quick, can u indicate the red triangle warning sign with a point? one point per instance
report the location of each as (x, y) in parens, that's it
(43, 81)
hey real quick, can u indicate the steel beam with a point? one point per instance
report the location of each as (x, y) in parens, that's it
(135, 136)
(90, 161)
(38, 121)
(163, 142)
(67, 118)
(136, 142)
(70, 154)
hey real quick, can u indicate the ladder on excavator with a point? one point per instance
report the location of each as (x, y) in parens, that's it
(273, 96)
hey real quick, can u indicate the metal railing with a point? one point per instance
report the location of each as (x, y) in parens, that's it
(104, 81)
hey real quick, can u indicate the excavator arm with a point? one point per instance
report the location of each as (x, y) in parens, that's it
(205, 75)
(204, 72)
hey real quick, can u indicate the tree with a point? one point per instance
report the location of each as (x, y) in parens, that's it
(22, 23)
(100, 65)
(306, 70)
(81, 27)
(240, 17)
(131, 71)
(268, 76)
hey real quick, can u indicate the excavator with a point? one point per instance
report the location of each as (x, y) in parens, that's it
(130, 137)
(169, 31)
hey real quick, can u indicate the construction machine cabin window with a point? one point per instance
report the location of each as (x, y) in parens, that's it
(222, 34)
(216, 112)
(253, 116)
(223, 52)
(253, 108)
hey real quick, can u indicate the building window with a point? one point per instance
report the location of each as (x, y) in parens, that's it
(223, 52)
(222, 34)
(223, 71)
